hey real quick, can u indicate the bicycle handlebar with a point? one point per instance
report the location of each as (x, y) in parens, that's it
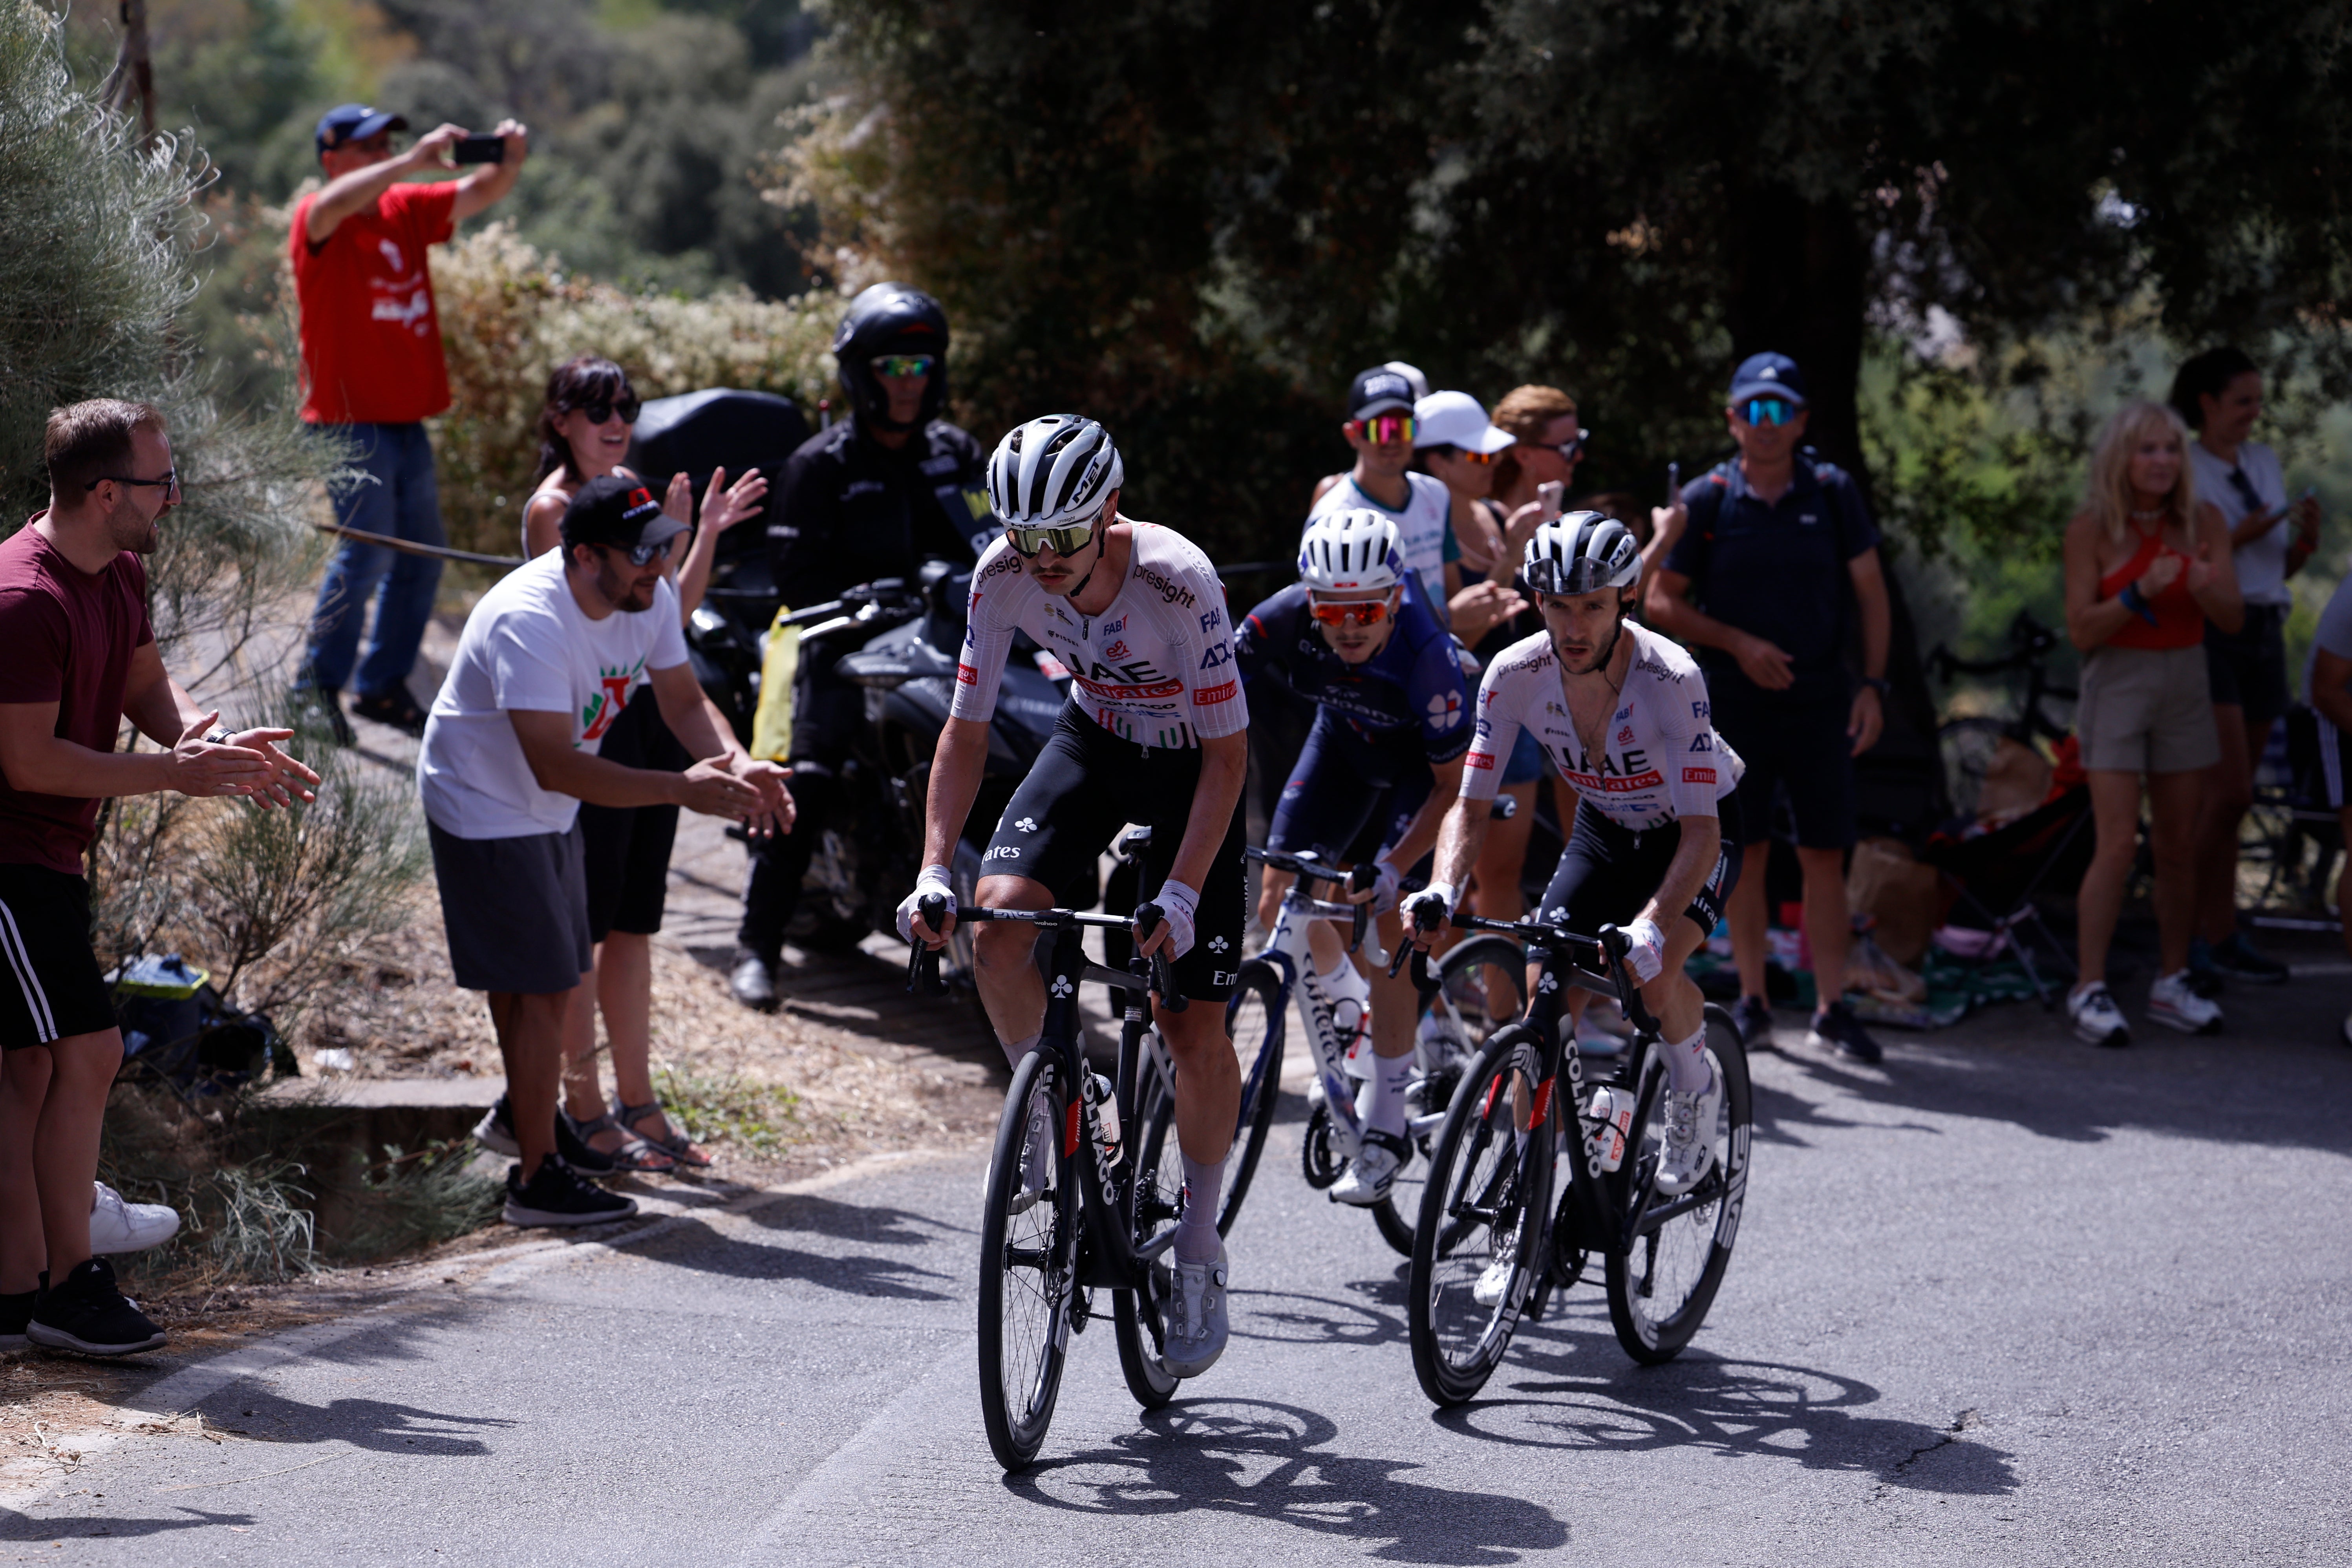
(1610, 946)
(924, 962)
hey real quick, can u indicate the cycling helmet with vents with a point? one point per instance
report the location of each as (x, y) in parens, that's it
(1582, 552)
(1350, 551)
(1053, 473)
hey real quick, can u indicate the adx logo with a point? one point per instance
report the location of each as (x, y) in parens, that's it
(1218, 654)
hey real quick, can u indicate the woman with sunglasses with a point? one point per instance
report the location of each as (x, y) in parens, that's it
(583, 434)
(1383, 761)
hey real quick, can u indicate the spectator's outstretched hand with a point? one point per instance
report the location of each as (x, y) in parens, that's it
(725, 504)
(199, 769)
(288, 779)
(711, 788)
(776, 810)
(677, 501)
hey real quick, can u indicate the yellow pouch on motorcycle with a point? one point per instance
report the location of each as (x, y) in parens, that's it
(772, 722)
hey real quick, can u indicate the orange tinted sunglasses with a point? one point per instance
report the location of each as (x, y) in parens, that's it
(1359, 612)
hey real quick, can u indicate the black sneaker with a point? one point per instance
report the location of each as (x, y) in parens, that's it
(88, 1314)
(754, 980)
(394, 707)
(1836, 1028)
(15, 1312)
(2238, 958)
(557, 1196)
(1753, 1017)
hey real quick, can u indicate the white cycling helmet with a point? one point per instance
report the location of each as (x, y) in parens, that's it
(1582, 552)
(1350, 551)
(1053, 473)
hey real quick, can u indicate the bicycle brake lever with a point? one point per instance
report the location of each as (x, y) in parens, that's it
(923, 962)
(1148, 917)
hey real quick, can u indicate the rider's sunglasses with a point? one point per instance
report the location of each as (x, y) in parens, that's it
(1771, 411)
(1355, 612)
(169, 484)
(643, 555)
(1065, 541)
(903, 364)
(1387, 429)
(603, 409)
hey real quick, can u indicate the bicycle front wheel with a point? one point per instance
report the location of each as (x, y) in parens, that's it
(1662, 1284)
(1028, 1249)
(1477, 1250)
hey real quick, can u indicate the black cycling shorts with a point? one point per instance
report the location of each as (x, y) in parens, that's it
(1348, 798)
(50, 987)
(1608, 873)
(1087, 785)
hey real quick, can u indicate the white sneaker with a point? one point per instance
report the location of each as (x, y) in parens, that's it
(1690, 1135)
(1196, 1316)
(1373, 1172)
(115, 1227)
(1496, 1282)
(2171, 1003)
(2096, 1017)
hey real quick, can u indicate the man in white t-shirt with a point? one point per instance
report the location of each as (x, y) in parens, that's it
(2219, 394)
(1381, 427)
(544, 667)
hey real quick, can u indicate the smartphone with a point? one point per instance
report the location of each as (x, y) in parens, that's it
(1548, 496)
(479, 150)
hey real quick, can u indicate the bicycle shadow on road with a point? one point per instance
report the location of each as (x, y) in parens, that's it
(1583, 1394)
(1260, 1459)
(702, 1248)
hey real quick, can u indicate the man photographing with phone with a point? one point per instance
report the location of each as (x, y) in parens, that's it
(372, 371)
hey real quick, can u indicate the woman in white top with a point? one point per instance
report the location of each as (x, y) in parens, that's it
(2219, 394)
(583, 431)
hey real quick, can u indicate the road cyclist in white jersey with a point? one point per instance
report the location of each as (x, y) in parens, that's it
(1622, 713)
(1153, 734)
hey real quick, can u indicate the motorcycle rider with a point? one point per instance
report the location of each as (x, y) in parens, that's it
(875, 495)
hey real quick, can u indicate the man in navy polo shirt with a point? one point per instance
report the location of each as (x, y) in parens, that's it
(1779, 558)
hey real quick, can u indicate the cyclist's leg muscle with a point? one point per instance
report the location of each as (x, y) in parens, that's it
(1010, 987)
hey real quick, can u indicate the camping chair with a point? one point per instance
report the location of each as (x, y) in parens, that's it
(2291, 831)
(1995, 876)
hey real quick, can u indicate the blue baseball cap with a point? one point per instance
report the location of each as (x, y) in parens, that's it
(355, 122)
(1768, 375)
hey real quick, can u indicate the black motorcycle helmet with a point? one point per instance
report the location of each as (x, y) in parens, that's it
(891, 319)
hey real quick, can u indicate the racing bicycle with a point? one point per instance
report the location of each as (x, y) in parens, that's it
(1493, 1205)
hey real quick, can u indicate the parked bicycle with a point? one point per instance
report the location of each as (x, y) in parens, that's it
(1493, 1246)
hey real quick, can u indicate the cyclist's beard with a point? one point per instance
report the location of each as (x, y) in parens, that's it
(1600, 660)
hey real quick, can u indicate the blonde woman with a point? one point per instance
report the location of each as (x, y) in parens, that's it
(2147, 565)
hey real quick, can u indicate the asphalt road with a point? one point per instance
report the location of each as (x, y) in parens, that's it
(2004, 1299)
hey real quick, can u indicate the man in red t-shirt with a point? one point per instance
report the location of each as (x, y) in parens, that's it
(81, 658)
(372, 371)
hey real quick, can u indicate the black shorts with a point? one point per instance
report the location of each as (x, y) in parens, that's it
(515, 910)
(1087, 785)
(626, 848)
(1608, 873)
(1800, 750)
(1347, 799)
(2247, 668)
(50, 987)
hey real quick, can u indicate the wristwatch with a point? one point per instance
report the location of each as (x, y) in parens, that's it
(1879, 684)
(219, 735)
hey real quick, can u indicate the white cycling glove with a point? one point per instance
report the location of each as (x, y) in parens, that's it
(1385, 877)
(1179, 905)
(1438, 896)
(932, 881)
(1648, 955)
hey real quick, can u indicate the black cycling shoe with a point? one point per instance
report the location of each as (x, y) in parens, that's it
(1753, 1017)
(753, 981)
(88, 1315)
(557, 1196)
(394, 707)
(1836, 1028)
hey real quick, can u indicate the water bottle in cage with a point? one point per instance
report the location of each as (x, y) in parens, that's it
(1105, 1100)
(1613, 1109)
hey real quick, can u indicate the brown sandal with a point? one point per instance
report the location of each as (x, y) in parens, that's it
(678, 1145)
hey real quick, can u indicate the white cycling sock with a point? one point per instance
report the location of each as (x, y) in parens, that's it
(1196, 1229)
(1017, 1049)
(1687, 1063)
(1381, 1099)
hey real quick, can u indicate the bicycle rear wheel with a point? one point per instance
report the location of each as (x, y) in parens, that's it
(1138, 1317)
(1027, 1273)
(1660, 1286)
(1488, 1192)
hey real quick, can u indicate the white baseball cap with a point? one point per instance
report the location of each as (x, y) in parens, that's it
(1457, 419)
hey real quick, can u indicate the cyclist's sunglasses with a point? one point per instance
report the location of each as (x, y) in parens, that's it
(169, 484)
(1354, 612)
(1065, 541)
(626, 405)
(643, 555)
(1771, 411)
(903, 364)
(1387, 429)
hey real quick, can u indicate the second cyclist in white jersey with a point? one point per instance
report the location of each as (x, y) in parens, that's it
(1622, 713)
(1153, 733)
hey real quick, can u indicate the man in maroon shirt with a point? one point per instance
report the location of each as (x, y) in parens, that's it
(81, 658)
(372, 371)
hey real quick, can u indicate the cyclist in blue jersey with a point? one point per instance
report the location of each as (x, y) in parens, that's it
(1391, 720)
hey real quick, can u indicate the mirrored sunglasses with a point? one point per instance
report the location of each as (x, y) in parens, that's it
(1065, 541)
(1771, 411)
(903, 364)
(1387, 429)
(1355, 612)
(643, 555)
